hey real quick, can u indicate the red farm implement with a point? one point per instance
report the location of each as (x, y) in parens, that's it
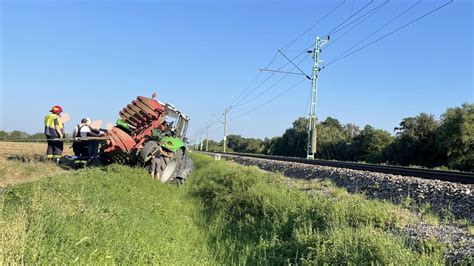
(148, 133)
(140, 118)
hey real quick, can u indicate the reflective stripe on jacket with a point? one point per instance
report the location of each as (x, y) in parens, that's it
(49, 128)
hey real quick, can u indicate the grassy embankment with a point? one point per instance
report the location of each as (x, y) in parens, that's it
(14, 172)
(225, 214)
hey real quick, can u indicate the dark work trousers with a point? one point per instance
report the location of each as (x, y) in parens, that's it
(93, 148)
(80, 148)
(55, 148)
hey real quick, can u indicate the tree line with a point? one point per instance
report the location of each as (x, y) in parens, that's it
(17, 135)
(422, 140)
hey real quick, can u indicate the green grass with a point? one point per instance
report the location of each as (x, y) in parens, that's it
(225, 214)
(256, 218)
(16, 171)
(115, 215)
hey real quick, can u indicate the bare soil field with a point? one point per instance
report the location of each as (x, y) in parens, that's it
(8, 149)
(19, 162)
(16, 171)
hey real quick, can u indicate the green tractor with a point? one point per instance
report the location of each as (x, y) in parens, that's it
(164, 152)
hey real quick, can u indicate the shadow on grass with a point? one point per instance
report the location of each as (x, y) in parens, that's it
(28, 158)
(65, 163)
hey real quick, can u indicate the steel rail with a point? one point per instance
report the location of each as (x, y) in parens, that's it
(450, 176)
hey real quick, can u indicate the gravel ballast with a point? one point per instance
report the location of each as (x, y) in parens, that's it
(445, 198)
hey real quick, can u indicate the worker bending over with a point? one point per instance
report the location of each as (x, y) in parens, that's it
(85, 147)
(54, 131)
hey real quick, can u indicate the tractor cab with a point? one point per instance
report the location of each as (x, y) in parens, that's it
(177, 121)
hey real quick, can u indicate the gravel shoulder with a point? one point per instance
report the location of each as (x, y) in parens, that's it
(444, 198)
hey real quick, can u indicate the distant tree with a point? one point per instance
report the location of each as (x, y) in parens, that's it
(16, 135)
(3, 135)
(369, 145)
(235, 142)
(330, 133)
(213, 146)
(332, 122)
(294, 141)
(291, 143)
(254, 145)
(246, 145)
(270, 146)
(301, 124)
(416, 142)
(456, 137)
(420, 140)
(36, 136)
(350, 130)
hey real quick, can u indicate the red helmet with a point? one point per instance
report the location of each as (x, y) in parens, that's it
(56, 109)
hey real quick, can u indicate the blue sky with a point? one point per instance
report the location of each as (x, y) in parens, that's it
(94, 57)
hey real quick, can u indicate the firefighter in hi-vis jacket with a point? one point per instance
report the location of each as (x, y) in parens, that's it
(54, 131)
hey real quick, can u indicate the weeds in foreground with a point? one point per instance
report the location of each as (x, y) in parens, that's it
(253, 217)
(225, 214)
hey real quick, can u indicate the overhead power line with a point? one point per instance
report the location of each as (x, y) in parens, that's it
(360, 20)
(263, 92)
(363, 17)
(251, 91)
(349, 18)
(242, 97)
(271, 100)
(295, 65)
(271, 86)
(342, 56)
(239, 102)
(306, 50)
(246, 88)
(255, 79)
(380, 28)
(312, 26)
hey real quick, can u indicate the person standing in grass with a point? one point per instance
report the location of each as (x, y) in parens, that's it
(54, 131)
(85, 147)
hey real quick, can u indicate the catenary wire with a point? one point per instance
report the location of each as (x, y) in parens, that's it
(312, 26)
(271, 86)
(261, 83)
(362, 20)
(330, 32)
(255, 79)
(252, 91)
(340, 57)
(380, 28)
(239, 99)
(363, 16)
(238, 102)
(349, 18)
(271, 100)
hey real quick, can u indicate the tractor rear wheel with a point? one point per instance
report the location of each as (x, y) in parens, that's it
(169, 166)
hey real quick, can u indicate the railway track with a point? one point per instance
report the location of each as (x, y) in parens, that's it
(450, 176)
